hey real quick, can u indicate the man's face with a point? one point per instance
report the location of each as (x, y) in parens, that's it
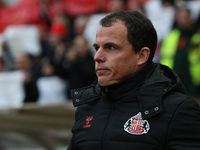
(114, 58)
(184, 19)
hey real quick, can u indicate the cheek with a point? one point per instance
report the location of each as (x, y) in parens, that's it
(127, 66)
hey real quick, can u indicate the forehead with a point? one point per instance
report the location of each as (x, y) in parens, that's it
(114, 25)
(117, 31)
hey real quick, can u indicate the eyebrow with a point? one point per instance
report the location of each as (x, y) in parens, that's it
(106, 44)
(95, 45)
(112, 44)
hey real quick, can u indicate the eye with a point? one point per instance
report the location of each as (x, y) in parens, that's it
(112, 48)
(96, 48)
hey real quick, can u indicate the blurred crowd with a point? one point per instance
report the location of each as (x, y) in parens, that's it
(59, 55)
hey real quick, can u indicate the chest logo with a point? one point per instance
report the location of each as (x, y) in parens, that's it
(135, 125)
(88, 119)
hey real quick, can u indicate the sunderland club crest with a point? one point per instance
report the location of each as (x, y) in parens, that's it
(135, 125)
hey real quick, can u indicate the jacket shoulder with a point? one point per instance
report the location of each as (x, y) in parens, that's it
(85, 95)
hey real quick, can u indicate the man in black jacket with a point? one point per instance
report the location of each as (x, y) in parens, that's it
(135, 104)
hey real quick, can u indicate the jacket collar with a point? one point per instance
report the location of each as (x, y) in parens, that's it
(131, 84)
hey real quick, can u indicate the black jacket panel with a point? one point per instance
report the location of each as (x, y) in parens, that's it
(154, 114)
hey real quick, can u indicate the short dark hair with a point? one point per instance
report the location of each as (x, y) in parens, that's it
(141, 32)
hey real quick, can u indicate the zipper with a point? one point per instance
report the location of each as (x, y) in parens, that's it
(106, 131)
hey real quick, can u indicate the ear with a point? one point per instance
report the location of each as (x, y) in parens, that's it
(143, 56)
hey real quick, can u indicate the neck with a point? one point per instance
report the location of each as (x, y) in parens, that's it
(115, 91)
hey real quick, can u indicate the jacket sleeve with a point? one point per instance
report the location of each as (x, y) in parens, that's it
(184, 129)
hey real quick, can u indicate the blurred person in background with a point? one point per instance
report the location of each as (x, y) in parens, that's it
(51, 87)
(79, 24)
(54, 42)
(60, 21)
(24, 63)
(180, 50)
(57, 32)
(79, 65)
(77, 27)
(58, 57)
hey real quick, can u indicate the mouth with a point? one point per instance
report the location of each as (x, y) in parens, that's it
(101, 70)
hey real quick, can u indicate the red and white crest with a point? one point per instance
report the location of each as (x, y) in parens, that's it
(135, 125)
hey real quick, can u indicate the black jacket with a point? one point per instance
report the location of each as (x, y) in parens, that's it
(147, 111)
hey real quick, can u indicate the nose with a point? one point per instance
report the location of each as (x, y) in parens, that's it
(99, 56)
